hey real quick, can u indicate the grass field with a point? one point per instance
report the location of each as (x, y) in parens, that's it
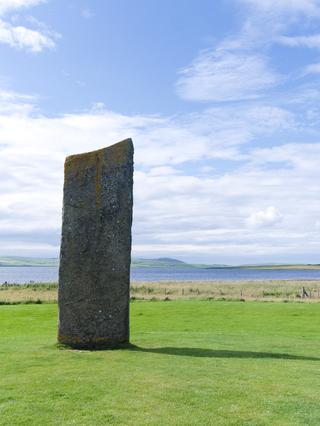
(274, 290)
(191, 363)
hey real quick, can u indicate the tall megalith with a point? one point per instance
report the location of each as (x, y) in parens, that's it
(94, 275)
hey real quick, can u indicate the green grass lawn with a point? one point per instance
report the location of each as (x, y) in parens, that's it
(192, 363)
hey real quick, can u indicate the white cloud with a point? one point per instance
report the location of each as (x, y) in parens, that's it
(163, 171)
(312, 69)
(222, 75)
(265, 21)
(239, 67)
(15, 103)
(310, 8)
(268, 217)
(21, 37)
(9, 96)
(87, 13)
(310, 41)
(8, 5)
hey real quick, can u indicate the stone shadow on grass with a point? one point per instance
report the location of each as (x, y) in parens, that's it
(217, 353)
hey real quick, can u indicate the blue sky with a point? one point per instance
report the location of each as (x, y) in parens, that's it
(221, 99)
(125, 54)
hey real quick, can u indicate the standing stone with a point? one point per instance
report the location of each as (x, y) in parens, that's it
(94, 275)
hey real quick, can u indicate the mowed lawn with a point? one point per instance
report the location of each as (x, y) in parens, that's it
(192, 363)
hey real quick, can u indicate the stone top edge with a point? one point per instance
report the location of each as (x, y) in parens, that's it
(98, 152)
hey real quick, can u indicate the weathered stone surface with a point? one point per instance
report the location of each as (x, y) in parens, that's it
(94, 276)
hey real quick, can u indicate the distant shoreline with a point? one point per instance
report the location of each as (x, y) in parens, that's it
(308, 266)
(183, 266)
(162, 262)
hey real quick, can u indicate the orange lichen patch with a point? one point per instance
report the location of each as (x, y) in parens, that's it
(116, 153)
(78, 165)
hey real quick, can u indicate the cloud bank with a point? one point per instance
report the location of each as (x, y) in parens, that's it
(264, 205)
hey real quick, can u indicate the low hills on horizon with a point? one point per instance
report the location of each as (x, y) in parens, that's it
(165, 262)
(162, 262)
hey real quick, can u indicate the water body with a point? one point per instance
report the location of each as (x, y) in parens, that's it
(50, 274)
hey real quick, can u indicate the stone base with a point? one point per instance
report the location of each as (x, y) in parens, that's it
(100, 344)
